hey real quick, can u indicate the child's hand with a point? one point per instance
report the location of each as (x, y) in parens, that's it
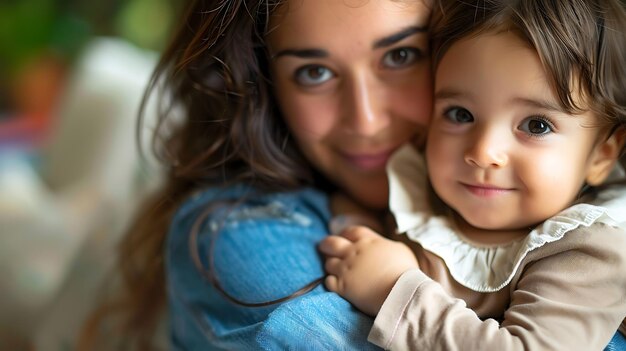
(363, 266)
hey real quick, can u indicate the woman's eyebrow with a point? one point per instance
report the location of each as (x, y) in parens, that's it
(380, 43)
(396, 37)
(302, 53)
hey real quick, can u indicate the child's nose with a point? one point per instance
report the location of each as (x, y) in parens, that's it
(487, 151)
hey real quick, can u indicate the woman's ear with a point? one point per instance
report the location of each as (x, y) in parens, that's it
(606, 153)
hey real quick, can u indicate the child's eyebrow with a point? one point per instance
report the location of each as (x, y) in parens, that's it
(448, 94)
(539, 103)
(542, 104)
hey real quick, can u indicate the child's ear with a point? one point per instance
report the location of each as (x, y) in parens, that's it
(606, 153)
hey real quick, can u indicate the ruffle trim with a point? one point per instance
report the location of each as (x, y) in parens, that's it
(491, 268)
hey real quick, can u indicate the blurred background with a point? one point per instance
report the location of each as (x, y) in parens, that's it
(72, 74)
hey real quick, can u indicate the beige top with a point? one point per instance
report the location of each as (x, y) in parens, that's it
(562, 287)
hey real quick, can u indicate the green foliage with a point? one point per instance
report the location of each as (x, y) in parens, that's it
(30, 27)
(145, 22)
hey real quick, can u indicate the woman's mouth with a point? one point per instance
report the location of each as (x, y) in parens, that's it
(369, 161)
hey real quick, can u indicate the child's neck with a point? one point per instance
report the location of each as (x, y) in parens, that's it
(488, 237)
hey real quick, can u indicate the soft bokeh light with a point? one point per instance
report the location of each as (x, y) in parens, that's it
(72, 74)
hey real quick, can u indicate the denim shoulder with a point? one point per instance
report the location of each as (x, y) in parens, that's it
(260, 249)
(247, 240)
(241, 205)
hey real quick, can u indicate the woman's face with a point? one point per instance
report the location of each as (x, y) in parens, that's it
(353, 82)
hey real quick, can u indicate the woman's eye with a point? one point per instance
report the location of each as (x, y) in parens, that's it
(400, 58)
(536, 126)
(459, 115)
(312, 75)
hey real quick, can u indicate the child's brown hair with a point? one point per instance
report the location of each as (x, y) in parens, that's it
(581, 44)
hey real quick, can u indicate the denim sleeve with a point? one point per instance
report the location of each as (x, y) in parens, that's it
(617, 343)
(263, 249)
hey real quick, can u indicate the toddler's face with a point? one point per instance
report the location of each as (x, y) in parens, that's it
(500, 150)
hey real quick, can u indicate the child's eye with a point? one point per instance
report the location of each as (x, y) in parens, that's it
(458, 115)
(536, 126)
(401, 57)
(312, 75)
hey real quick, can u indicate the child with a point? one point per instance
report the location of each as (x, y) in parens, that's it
(528, 116)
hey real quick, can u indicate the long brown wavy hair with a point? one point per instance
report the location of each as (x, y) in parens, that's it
(218, 123)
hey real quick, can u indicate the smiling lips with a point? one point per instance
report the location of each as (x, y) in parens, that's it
(484, 190)
(369, 161)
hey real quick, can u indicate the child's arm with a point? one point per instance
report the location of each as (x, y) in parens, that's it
(568, 295)
(363, 266)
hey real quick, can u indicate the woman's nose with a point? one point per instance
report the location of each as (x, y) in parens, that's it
(364, 105)
(487, 150)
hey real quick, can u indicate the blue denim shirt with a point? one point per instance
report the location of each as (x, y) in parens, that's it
(264, 249)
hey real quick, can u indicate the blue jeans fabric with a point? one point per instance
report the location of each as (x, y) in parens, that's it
(617, 343)
(264, 249)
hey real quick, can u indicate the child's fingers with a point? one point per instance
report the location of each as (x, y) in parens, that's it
(335, 246)
(333, 266)
(332, 283)
(356, 233)
(339, 223)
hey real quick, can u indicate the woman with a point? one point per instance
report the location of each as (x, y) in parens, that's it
(284, 102)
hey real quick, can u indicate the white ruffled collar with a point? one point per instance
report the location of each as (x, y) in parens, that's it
(482, 268)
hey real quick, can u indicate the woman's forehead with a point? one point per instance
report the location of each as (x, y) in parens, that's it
(315, 23)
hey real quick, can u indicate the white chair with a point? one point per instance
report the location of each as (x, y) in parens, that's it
(59, 223)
